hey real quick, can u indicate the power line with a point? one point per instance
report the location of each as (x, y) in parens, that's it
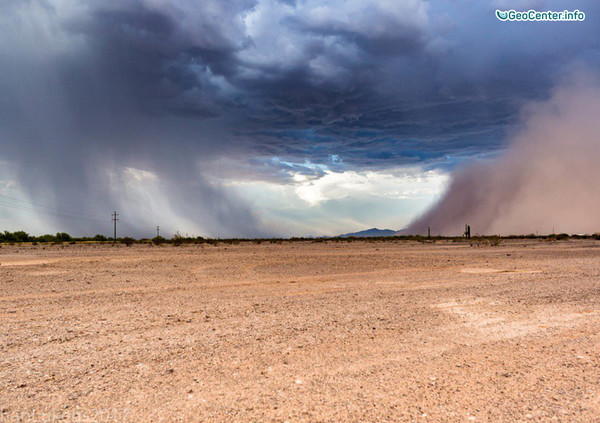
(31, 203)
(24, 205)
(26, 208)
(7, 201)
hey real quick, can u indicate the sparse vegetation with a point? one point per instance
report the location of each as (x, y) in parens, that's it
(128, 241)
(158, 240)
(483, 241)
(177, 240)
(494, 240)
(63, 237)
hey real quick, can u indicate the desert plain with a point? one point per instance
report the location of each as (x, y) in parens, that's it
(301, 331)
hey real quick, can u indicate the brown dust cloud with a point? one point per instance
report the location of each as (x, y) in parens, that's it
(547, 180)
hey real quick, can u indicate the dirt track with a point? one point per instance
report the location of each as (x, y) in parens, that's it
(301, 332)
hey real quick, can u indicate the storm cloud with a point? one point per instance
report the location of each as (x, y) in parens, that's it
(137, 105)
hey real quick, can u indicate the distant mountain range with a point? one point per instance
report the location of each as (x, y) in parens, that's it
(374, 232)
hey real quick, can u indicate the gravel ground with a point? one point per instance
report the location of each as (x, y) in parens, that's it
(301, 331)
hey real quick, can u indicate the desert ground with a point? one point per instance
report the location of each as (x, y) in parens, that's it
(301, 331)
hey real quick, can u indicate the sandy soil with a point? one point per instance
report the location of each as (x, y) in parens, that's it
(301, 332)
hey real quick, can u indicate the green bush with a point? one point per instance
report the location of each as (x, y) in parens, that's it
(177, 240)
(158, 240)
(19, 236)
(63, 237)
(128, 241)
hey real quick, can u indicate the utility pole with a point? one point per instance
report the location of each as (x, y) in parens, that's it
(157, 231)
(428, 232)
(114, 219)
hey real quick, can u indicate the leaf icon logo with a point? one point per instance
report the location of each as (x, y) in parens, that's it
(501, 15)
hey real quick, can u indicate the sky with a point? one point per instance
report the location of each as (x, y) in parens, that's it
(260, 118)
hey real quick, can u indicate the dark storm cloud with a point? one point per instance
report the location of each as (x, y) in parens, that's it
(152, 60)
(441, 89)
(376, 32)
(90, 88)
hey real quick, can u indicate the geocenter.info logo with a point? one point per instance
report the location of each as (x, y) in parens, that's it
(535, 16)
